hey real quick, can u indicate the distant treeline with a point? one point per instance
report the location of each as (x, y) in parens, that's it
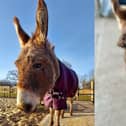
(7, 83)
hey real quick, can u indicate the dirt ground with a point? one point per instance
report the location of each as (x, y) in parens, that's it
(10, 116)
(83, 115)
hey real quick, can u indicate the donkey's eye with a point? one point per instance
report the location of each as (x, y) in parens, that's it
(37, 66)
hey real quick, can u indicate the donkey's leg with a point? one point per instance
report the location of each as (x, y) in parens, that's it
(57, 113)
(62, 113)
(51, 116)
(71, 106)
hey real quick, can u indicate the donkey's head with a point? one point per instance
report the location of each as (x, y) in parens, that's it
(37, 65)
(120, 13)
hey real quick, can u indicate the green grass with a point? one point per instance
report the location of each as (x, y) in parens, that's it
(84, 98)
(8, 95)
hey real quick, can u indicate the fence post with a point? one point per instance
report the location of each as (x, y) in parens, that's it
(9, 91)
(92, 91)
(4, 92)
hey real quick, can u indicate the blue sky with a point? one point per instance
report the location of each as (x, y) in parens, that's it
(71, 30)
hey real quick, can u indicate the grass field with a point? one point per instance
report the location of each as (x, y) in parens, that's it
(13, 95)
(84, 98)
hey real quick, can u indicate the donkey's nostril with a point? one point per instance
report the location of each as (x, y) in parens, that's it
(27, 107)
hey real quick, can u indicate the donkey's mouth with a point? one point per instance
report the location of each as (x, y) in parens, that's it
(27, 108)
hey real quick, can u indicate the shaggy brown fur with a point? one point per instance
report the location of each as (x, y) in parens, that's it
(120, 13)
(37, 64)
(122, 41)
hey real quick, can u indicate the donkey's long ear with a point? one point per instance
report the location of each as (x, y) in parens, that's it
(42, 21)
(118, 10)
(22, 35)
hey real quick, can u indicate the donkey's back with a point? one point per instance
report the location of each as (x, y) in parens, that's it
(67, 82)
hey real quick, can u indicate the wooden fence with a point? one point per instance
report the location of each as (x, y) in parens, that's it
(8, 91)
(82, 94)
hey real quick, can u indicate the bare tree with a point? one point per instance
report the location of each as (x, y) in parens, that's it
(12, 76)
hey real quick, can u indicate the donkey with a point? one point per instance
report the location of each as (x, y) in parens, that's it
(120, 13)
(41, 75)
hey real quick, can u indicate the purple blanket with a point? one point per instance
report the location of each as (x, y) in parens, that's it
(65, 86)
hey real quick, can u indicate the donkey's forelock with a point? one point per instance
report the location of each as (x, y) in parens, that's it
(37, 65)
